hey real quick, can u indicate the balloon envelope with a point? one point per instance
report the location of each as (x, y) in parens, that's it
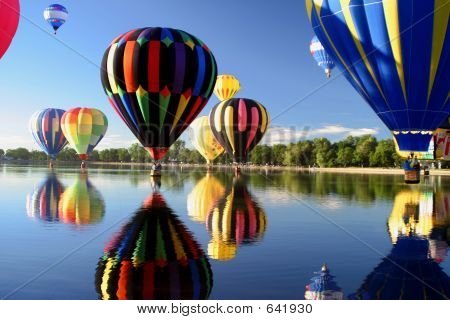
(226, 87)
(203, 139)
(239, 125)
(158, 80)
(9, 20)
(322, 58)
(395, 54)
(45, 126)
(84, 128)
(323, 287)
(56, 15)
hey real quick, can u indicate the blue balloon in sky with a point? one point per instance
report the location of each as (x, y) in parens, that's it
(45, 126)
(395, 54)
(56, 15)
(321, 56)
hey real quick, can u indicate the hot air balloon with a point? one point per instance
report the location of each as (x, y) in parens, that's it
(407, 273)
(203, 139)
(322, 58)
(153, 256)
(395, 54)
(158, 80)
(203, 197)
(84, 128)
(45, 126)
(81, 203)
(226, 87)
(9, 20)
(235, 220)
(56, 15)
(43, 203)
(323, 287)
(239, 125)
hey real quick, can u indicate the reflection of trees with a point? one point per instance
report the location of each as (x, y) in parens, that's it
(352, 187)
(153, 256)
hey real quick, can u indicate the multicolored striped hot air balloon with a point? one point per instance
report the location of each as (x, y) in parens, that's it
(9, 20)
(56, 15)
(323, 287)
(43, 203)
(153, 256)
(236, 219)
(239, 125)
(407, 273)
(84, 128)
(158, 80)
(395, 54)
(226, 87)
(81, 203)
(203, 197)
(322, 58)
(203, 139)
(45, 126)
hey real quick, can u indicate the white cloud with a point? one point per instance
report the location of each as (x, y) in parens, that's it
(284, 135)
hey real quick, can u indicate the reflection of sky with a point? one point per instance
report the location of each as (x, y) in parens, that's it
(297, 240)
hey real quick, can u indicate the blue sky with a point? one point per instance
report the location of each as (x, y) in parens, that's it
(265, 44)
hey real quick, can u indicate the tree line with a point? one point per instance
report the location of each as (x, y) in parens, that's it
(364, 151)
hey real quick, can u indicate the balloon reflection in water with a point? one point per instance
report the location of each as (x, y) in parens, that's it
(81, 203)
(203, 197)
(235, 219)
(425, 214)
(406, 273)
(154, 257)
(411, 270)
(43, 203)
(323, 287)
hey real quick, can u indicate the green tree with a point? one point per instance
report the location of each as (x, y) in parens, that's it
(384, 155)
(37, 155)
(278, 154)
(261, 155)
(123, 155)
(94, 156)
(2, 153)
(18, 154)
(345, 156)
(138, 153)
(324, 152)
(67, 154)
(365, 146)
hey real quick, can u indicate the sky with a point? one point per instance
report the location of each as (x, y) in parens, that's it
(265, 44)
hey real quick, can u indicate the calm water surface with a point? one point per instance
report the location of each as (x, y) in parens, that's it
(110, 234)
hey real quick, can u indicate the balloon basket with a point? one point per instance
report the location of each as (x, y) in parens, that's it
(412, 176)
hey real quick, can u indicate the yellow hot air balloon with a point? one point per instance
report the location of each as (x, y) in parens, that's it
(203, 139)
(226, 87)
(203, 197)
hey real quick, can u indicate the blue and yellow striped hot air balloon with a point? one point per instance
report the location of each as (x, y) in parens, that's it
(45, 126)
(322, 58)
(395, 54)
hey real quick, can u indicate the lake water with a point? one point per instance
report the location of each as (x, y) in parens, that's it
(110, 234)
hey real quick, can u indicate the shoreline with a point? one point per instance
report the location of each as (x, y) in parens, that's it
(348, 170)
